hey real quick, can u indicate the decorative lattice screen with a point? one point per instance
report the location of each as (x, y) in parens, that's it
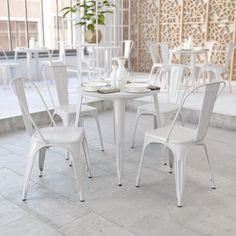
(173, 20)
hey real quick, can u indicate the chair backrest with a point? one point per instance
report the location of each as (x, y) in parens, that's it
(18, 87)
(175, 81)
(159, 52)
(209, 45)
(153, 51)
(229, 53)
(210, 95)
(58, 75)
(164, 52)
(174, 74)
(125, 48)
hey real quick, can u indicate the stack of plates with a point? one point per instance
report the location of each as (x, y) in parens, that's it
(136, 88)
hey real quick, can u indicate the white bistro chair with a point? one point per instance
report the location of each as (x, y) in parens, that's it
(125, 51)
(180, 139)
(70, 138)
(222, 72)
(169, 108)
(64, 110)
(6, 67)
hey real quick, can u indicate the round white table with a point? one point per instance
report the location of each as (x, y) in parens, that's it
(192, 53)
(29, 54)
(119, 100)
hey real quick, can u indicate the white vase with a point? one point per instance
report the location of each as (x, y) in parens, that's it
(121, 72)
(114, 82)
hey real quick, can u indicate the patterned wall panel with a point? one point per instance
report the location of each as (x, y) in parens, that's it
(170, 16)
(174, 20)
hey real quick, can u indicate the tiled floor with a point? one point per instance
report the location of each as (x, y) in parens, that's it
(53, 206)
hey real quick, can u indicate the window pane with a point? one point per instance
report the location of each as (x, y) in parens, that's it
(17, 18)
(34, 15)
(4, 36)
(65, 25)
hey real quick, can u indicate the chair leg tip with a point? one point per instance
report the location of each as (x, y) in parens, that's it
(119, 185)
(81, 200)
(137, 186)
(90, 177)
(213, 187)
(165, 164)
(23, 199)
(180, 206)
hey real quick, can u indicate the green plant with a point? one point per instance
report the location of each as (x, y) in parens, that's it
(88, 9)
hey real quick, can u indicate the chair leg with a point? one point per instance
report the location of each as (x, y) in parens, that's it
(42, 154)
(179, 180)
(135, 128)
(86, 157)
(171, 160)
(209, 165)
(181, 119)
(76, 155)
(141, 164)
(155, 122)
(28, 171)
(99, 132)
(230, 85)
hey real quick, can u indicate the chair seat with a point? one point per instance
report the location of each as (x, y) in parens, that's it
(179, 135)
(71, 109)
(55, 135)
(163, 108)
(216, 69)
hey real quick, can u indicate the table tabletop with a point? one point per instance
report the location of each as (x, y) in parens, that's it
(118, 95)
(189, 51)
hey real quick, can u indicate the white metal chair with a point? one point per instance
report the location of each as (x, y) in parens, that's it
(64, 110)
(69, 138)
(181, 139)
(169, 108)
(6, 68)
(222, 72)
(125, 51)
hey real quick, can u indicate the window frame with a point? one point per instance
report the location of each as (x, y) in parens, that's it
(27, 20)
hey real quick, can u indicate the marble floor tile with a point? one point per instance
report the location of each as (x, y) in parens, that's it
(94, 225)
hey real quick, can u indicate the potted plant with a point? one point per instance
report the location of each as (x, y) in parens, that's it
(93, 13)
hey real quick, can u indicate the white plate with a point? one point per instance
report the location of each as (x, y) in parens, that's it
(107, 81)
(138, 80)
(131, 90)
(93, 86)
(136, 86)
